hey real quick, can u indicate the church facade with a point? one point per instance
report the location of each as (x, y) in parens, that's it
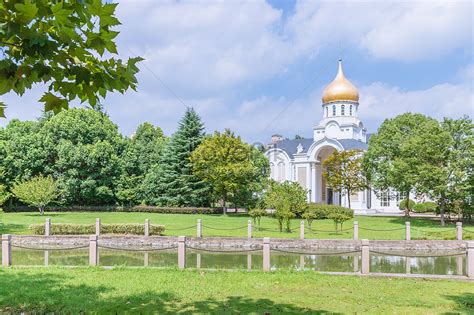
(340, 128)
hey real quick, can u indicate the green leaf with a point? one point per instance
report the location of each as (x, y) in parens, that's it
(2, 109)
(61, 15)
(53, 103)
(26, 11)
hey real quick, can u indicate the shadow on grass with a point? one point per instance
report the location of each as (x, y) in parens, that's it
(54, 293)
(465, 302)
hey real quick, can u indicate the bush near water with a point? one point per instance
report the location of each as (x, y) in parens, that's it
(81, 229)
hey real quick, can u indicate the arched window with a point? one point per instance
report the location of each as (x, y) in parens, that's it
(342, 110)
(327, 112)
(334, 110)
(350, 110)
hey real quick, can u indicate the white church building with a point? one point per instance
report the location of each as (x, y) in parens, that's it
(340, 129)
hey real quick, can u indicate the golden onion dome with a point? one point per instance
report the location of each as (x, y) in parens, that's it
(340, 89)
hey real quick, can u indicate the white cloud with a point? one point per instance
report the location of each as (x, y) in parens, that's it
(201, 47)
(379, 101)
(421, 30)
(204, 45)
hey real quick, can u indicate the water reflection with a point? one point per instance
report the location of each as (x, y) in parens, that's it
(450, 265)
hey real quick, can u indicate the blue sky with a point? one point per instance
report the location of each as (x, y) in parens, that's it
(259, 67)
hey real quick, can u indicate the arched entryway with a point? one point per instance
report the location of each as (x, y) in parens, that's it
(325, 193)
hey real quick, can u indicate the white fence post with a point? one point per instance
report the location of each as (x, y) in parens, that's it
(470, 259)
(459, 231)
(356, 230)
(302, 230)
(97, 226)
(6, 250)
(199, 228)
(93, 250)
(147, 227)
(198, 261)
(145, 259)
(365, 268)
(181, 252)
(407, 231)
(266, 254)
(249, 229)
(47, 227)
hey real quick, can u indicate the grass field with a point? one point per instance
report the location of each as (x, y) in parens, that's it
(225, 225)
(40, 290)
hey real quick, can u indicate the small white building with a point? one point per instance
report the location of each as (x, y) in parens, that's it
(301, 160)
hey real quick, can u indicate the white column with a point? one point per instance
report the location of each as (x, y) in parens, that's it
(313, 182)
(319, 183)
(308, 181)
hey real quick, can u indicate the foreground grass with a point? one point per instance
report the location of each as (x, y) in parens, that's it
(42, 290)
(422, 228)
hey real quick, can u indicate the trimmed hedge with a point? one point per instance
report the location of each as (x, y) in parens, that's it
(184, 210)
(427, 206)
(149, 209)
(320, 211)
(79, 229)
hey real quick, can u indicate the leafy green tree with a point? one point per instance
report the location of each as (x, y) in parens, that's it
(83, 152)
(288, 199)
(22, 154)
(39, 191)
(61, 44)
(248, 195)
(4, 195)
(449, 180)
(229, 165)
(172, 181)
(142, 151)
(397, 154)
(81, 148)
(344, 172)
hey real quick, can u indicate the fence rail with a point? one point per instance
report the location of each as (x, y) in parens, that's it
(265, 247)
(200, 229)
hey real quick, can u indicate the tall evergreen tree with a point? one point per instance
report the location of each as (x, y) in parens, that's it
(172, 181)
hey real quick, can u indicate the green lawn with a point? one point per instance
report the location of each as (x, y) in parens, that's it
(170, 291)
(422, 228)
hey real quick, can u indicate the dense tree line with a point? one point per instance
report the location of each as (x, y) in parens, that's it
(416, 154)
(93, 164)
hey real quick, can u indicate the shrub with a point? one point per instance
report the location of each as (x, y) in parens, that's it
(427, 206)
(309, 216)
(256, 215)
(320, 210)
(403, 205)
(340, 215)
(79, 229)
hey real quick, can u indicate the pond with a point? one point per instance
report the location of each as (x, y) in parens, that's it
(379, 263)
